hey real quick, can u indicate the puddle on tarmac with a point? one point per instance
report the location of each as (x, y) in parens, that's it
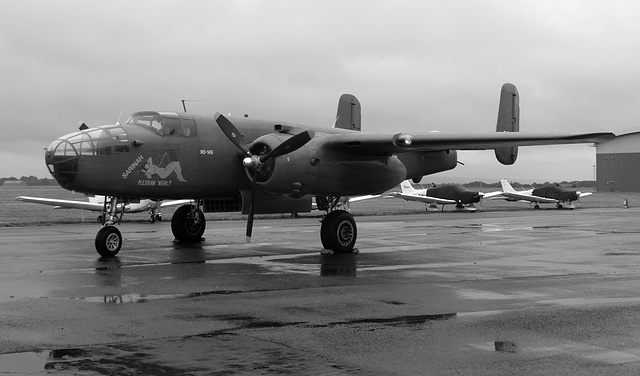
(29, 363)
(142, 298)
(218, 353)
(400, 320)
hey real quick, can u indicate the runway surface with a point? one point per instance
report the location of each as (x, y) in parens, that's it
(487, 293)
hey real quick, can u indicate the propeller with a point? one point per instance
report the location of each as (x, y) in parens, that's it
(256, 162)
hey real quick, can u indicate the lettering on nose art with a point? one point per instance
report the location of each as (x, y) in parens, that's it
(132, 167)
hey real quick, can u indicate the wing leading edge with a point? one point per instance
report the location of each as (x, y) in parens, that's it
(425, 199)
(380, 144)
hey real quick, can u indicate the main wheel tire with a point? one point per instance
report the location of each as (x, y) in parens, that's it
(108, 241)
(186, 227)
(339, 232)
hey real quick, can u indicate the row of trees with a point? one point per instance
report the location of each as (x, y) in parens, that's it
(31, 180)
(566, 184)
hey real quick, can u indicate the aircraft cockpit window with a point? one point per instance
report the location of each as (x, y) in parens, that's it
(93, 142)
(165, 124)
(171, 126)
(188, 127)
(149, 121)
(178, 127)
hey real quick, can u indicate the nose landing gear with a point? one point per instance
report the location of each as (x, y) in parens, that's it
(108, 241)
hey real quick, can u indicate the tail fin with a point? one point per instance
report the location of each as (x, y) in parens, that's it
(508, 121)
(349, 113)
(407, 187)
(506, 187)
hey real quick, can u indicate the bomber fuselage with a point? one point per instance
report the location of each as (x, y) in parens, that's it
(182, 155)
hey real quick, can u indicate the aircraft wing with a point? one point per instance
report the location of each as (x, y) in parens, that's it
(379, 144)
(166, 204)
(528, 197)
(360, 198)
(427, 199)
(491, 195)
(67, 204)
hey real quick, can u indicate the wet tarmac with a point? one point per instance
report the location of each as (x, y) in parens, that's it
(487, 293)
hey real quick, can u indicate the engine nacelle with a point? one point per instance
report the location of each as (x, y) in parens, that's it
(421, 163)
(311, 170)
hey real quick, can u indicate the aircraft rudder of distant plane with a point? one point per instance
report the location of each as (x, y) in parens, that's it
(223, 163)
(548, 194)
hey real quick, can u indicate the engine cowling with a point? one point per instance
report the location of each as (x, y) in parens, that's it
(315, 171)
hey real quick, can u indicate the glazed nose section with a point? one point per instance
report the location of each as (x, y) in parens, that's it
(61, 158)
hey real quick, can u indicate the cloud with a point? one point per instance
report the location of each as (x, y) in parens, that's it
(414, 65)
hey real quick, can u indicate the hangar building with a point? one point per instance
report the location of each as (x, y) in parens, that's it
(618, 164)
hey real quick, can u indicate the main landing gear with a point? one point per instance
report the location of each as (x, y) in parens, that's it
(187, 224)
(338, 232)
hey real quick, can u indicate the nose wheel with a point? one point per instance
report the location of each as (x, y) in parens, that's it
(108, 241)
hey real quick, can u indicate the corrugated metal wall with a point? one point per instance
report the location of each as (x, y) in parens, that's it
(618, 172)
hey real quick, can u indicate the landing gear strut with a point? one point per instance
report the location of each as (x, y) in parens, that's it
(338, 232)
(109, 239)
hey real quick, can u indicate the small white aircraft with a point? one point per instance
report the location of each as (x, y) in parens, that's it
(339, 202)
(97, 203)
(442, 195)
(549, 194)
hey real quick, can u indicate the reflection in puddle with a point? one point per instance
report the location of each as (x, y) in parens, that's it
(405, 320)
(497, 227)
(339, 265)
(142, 298)
(506, 347)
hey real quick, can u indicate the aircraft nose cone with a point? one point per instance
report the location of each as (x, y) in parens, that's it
(61, 159)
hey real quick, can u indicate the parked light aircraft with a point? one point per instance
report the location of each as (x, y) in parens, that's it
(256, 166)
(441, 195)
(548, 194)
(97, 203)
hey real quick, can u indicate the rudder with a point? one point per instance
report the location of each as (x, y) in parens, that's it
(349, 113)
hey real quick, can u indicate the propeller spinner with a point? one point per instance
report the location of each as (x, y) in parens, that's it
(255, 163)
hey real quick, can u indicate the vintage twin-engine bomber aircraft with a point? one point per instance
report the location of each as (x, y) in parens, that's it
(255, 166)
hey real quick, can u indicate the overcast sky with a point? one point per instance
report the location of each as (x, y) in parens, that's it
(414, 65)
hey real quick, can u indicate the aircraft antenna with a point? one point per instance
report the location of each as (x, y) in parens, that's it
(121, 111)
(184, 106)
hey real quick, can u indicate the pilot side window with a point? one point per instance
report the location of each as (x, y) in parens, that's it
(171, 126)
(178, 127)
(189, 127)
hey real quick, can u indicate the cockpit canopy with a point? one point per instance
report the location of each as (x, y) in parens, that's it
(164, 123)
(94, 141)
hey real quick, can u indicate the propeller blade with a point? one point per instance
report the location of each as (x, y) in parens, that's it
(252, 207)
(232, 133)
(292, 144)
